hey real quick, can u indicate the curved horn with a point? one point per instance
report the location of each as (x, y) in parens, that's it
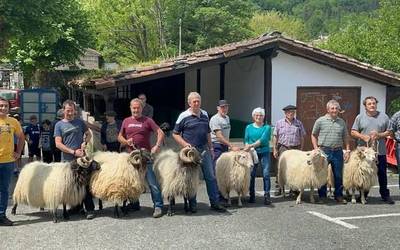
(136, 160)
(146, 154)
(184, 155)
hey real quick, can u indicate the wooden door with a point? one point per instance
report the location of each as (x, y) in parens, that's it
(311, 104)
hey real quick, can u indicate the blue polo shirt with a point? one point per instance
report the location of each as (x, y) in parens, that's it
(193, 129)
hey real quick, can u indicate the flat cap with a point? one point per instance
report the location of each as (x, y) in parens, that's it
(223, 103)
(289, 107)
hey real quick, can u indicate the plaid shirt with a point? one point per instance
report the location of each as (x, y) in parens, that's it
(395, 124)
(289, 134)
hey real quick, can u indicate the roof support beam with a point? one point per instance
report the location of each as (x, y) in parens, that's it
(198, 82)
(267, 58)
(222, 81)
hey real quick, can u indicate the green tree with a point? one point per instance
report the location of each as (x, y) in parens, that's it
(371, 38)
(265, 22)
(41, 35)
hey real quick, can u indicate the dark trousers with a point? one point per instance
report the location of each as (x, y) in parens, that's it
(47, 156)
(56, 155)
(88, 201)
(382, 176)
(113, 147)
(335, 158)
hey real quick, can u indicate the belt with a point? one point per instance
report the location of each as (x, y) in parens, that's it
(331, 148)
(288, 147)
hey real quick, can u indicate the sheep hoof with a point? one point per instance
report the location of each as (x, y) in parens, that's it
(312, 201)
(353, 201)
(298, 202)
(170, 213)
(364, 202)
(55, 220)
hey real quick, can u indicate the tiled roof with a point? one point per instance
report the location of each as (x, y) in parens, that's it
(248, 47)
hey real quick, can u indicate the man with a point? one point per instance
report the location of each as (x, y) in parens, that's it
(69, 134)
(372, 128)
(109, 132)
(135, 133)
(288, 134)
(192, 129)
(8, 128)
(220, 129)
(32, 134)
(395, 123)
(330, 134)
(147, 108)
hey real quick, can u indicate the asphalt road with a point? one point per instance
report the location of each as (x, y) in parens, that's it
(281, 226)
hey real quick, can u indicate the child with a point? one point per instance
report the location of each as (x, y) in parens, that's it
(32, 133)
(47, 153)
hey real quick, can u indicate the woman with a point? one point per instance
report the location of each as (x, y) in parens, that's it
(257, 136)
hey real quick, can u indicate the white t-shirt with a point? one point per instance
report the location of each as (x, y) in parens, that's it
(217, 122)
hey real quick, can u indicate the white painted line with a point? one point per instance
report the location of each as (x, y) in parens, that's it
(333, 220)
(367, 216)
(261, 193)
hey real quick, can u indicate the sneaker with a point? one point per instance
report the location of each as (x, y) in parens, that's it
(157, 212)
(4, 221)
(340, 200)
(388, 200)
(90, 216)
(217, 207)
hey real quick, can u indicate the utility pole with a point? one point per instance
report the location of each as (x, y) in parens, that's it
(180, 36)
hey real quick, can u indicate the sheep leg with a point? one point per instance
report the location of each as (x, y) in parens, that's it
(14, 209)
(186, 204)
(240, 199)
(283, 191)
(170, 211)
(363, 200)
(228, 197)
(55, 220)
(100, 204)
(65, 212)
(298, 200)
(312, 200)
(116, 211)
(124, 208)
(353, 196)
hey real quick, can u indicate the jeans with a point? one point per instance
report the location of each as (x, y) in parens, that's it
(218, 150)
(6, 170)
(154, 188)
(207, 168)
(335, 158)
(264, 161)
(382, 176)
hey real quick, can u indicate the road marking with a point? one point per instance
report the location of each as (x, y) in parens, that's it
(340, 220)
(333, 220)
(368, 216)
